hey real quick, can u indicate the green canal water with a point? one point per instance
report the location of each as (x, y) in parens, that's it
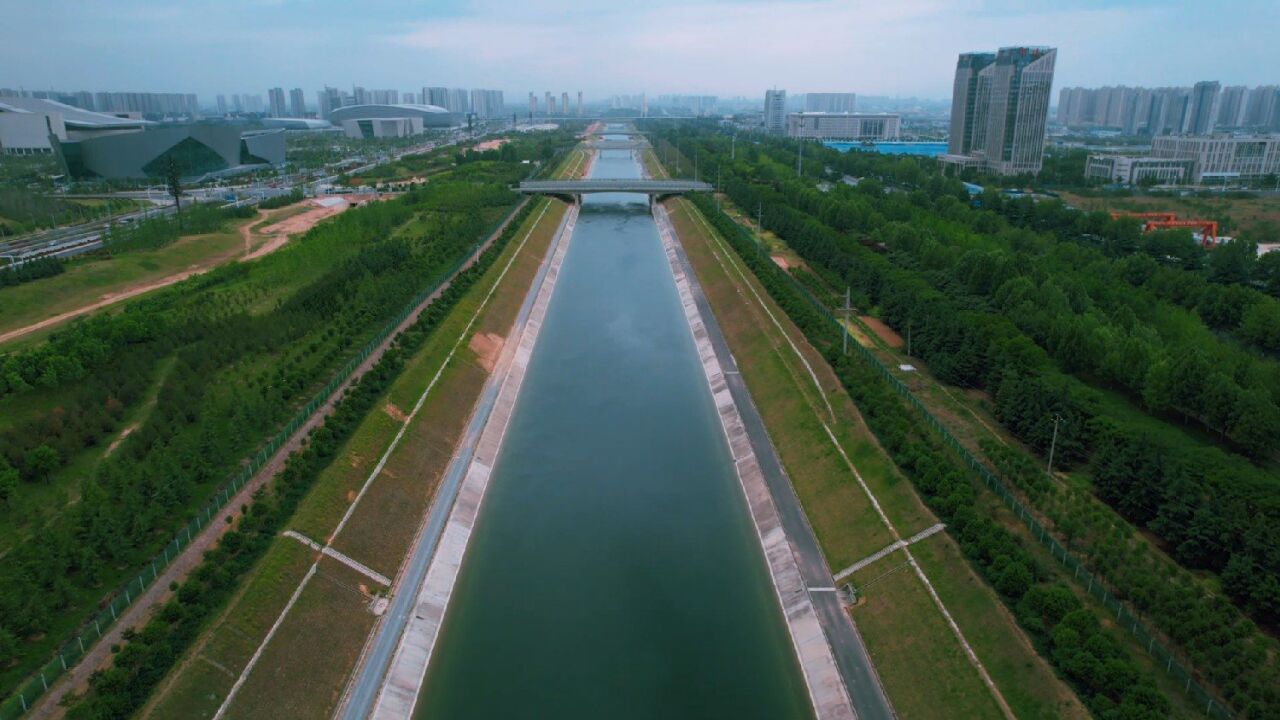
(614, 571)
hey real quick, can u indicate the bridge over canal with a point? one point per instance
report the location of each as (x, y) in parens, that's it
(575, 189)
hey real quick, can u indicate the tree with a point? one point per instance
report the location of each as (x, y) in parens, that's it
(40, 462)
(1233, 261)
(8, 485)
(8, 647)
(1261, 324)
(1267, 271)
(173, 177)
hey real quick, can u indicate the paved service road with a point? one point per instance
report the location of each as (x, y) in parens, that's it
(860, 679)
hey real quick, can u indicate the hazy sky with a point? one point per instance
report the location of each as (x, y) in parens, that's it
(880, 47)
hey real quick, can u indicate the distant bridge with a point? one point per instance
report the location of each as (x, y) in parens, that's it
(617, 144)
(573, 189)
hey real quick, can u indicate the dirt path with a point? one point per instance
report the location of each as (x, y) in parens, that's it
(108, 299)
(76, 678)
(279, 235)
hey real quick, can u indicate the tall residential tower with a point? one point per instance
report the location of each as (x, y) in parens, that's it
(1000, 109)
(775, 112)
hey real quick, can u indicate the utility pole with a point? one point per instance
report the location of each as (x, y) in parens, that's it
(733, 148)
(845, 334)
(909, 322)
(760, 226)
(695, 164)
(1053, 444)
(799, 156)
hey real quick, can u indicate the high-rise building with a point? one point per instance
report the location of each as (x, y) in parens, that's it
(438, 96)
(829, 102)
(297, 103)
(964, 104)
(1000, 109)
(486, 103)
(1231, 106)
(579, 111)
(533, 103)
(564, 102)
(458, 101)
(276, 107)
(410, 97)
(549, 103)
(329, 99)
(222, 104)
(1260, 109)
(1202, 113)
(775, 111)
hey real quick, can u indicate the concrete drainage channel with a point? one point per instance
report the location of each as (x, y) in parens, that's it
(392, 666)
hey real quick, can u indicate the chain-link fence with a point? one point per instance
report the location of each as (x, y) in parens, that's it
(1123, 618)
(92, 630)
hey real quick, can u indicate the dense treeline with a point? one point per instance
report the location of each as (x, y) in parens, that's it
(1231, 288)
(1070, 634)
(150, 654)
(31, 270)
(244, 346)
(1213, 509)
(280, 201)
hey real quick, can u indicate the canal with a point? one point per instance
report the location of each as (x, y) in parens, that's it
(614, 571)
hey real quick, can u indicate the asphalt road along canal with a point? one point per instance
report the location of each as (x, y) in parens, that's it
(614, 571)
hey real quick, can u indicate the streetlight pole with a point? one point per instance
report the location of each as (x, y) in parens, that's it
(1053, 444)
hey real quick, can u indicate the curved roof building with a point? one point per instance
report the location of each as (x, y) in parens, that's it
(296, 123)
(30, 125)
(432, 115)
(390, 120)
(197, 150)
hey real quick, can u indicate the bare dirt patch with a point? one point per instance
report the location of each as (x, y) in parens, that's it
(882, 331)
(780, 261)
(395, 413)
(278, 233)
(486, 346)
(491, 144)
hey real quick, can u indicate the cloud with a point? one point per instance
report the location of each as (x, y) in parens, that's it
(726, 47)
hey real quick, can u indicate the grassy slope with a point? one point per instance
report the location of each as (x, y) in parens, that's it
(403, 488)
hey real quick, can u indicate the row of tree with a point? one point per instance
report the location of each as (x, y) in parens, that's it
(1221, 513)
(37, 269)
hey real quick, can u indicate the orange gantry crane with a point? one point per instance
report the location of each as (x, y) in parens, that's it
(1166, 220)
(1164, 216)
(1208, 228)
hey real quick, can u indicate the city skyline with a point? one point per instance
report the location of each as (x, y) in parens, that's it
(542, 44)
